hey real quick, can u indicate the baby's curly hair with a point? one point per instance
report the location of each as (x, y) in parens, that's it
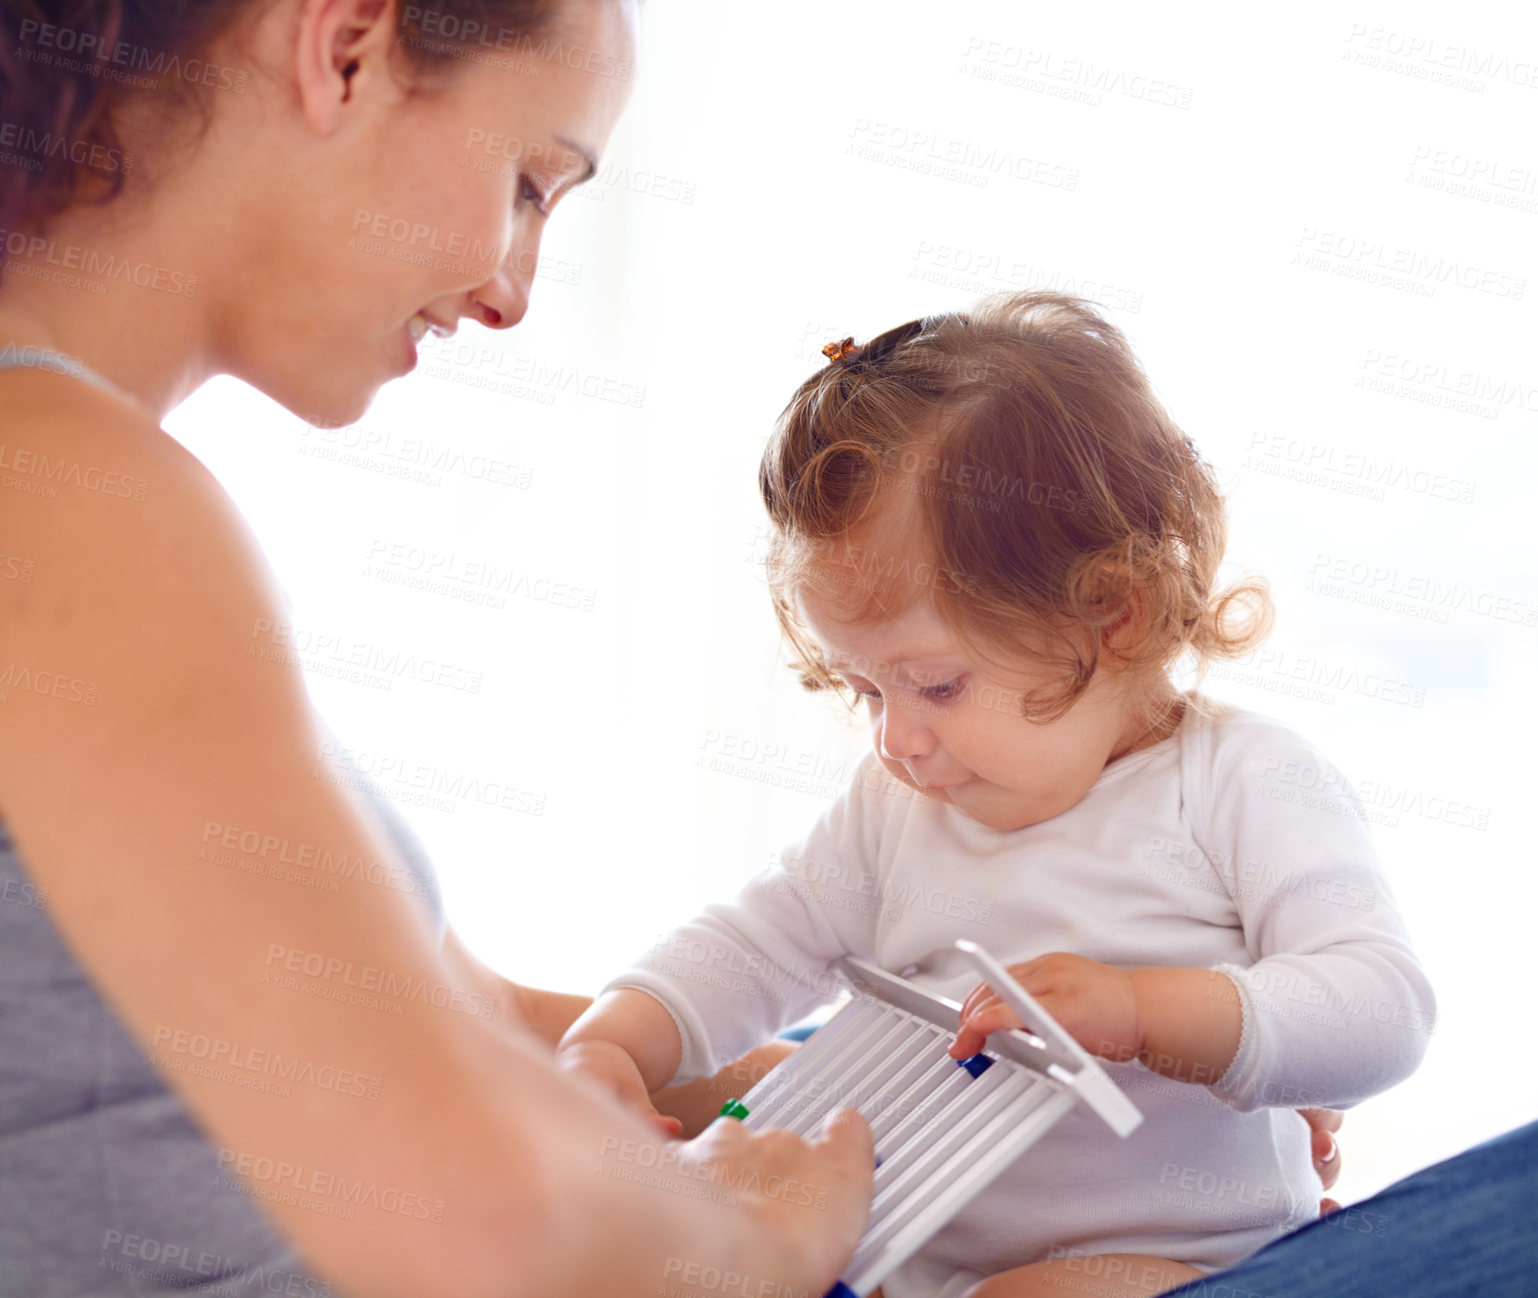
(1055, 499)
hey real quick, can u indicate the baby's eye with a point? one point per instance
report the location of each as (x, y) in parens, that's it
(528, 192)
(943, 693)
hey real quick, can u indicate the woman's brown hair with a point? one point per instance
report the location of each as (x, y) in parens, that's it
(1056, 499)
(67, 68)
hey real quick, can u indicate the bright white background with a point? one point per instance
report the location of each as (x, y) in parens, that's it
(1318, 249)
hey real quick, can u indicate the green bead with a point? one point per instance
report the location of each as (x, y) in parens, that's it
(734, 1109)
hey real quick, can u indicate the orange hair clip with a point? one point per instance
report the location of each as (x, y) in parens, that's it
(840, 351)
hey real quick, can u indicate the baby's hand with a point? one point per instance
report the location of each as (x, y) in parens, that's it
(615, 1071)
(1096, 1004)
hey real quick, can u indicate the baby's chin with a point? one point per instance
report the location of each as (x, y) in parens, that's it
(993, 807)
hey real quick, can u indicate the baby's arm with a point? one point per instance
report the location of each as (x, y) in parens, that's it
(1331, 1005)
(1181, 1023)
(628, 1043)
(726, 981)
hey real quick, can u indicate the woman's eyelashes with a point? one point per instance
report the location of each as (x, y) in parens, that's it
(529, 192)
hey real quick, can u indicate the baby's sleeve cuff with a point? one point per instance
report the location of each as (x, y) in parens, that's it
(692, 1063)
(1235, 1086)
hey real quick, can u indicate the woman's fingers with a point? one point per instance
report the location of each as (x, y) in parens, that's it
(812, 1195)
(835, 1169)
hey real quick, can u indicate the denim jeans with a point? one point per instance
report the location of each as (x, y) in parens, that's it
(1467, 1226)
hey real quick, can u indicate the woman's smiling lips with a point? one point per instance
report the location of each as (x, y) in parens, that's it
(417, 328)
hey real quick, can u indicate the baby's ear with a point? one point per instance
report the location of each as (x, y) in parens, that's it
(1129, 626)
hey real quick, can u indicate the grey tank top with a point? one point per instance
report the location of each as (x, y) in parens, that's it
(107, 1187)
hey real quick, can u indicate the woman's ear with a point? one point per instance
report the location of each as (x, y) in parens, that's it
(337, 42)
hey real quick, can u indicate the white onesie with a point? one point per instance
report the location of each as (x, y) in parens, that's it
(1213, 849)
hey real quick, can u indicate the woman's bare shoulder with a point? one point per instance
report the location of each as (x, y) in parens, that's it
(125, 568)
(72, 445)
(91, 484)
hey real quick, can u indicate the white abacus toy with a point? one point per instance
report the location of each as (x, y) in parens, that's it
(944, 1127)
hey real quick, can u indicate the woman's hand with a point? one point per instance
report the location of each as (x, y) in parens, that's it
(615, 1072)
(1096, 1004)
(810, 1198)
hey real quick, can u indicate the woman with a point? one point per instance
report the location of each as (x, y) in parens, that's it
(168, 853)
(159, 827)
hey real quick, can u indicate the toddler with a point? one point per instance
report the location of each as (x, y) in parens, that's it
(987, 528)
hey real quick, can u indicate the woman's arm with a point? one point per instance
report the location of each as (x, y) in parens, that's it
(169, 807)
(547, 1014)
(694, 1104)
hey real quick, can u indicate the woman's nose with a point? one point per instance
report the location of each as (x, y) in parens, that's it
(503, 300)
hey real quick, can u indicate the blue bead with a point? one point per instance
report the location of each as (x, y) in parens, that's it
(840, 1290)
(977, 1065)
